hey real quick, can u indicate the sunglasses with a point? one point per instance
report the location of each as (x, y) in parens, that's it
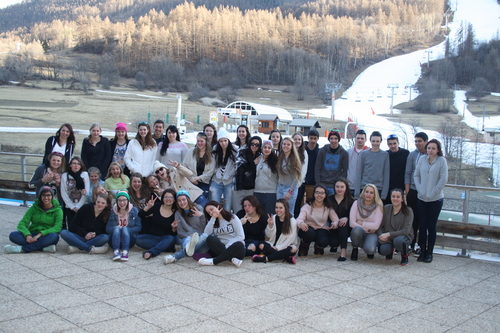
(255, 145)
(392, 136)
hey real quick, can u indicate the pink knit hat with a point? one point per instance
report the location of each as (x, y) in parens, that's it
(121, 127)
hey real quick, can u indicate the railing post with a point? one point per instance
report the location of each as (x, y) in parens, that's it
(465, 219)
(23, 176)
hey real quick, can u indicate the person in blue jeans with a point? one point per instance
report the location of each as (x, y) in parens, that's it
(123, 226)
(190, 229)
(87, 230)
(225, 169)
(39, 228)
(163, 232)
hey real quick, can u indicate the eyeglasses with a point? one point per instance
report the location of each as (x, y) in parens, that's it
(46, 195)
(75, 163)
(319, 193)
(392, 136)
(255, 145)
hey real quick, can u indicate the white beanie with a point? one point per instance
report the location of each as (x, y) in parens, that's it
(222, 134)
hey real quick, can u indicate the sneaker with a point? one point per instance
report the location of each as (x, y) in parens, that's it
(206, 262)
(236, 262)
(404, 260)
(168, 259)
(258, 258)
(342, 258)
(124, 256)
(73, 249)
(319, 251)
(116, 255)
(13, 249)
(192, 244)
(50, 249)
(370, 256)
(416, 252)
(389, 257)
(333, 249)
(99, 249)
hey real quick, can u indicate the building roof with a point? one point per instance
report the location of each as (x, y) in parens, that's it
(261, 109)
(303, 122)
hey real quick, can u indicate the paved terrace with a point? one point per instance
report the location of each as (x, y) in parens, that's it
(42, 292)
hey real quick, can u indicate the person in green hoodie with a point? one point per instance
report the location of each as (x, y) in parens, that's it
(39, 228)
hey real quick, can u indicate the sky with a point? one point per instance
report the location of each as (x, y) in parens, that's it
(5, 3)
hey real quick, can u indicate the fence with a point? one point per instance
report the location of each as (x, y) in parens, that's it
(468, 211)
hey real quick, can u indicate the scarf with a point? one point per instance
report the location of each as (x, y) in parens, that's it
(77, 176)
(362, 208)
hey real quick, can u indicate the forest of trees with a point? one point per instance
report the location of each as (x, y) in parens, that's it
(301, 43)
(467, 65)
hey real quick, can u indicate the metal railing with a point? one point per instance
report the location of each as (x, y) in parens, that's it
(18, 166)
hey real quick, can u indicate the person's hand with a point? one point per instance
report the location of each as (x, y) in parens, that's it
(32, 239)
(270, 221)
(384, 237)
(48, 177)
(89, 235)
(257, 160)
(303, 226)
(196, 212)
(193, 180)
(175, 164)
(75, 209)
(151, 202)
(175, 224)
(343, 221)
(56, 178)
(83, 192)
(244, 219)
(216, 213)
(288, 195)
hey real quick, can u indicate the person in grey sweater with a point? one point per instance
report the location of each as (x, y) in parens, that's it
(421, 139)
(266, 180)
(431, 176)
(332, 163)
(374, 167)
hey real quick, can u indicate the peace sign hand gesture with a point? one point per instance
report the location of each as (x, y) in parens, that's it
(196, 212)
(151, 202)
(175, 164)
(270, 221)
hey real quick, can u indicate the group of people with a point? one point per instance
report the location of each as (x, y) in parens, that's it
(222, 200)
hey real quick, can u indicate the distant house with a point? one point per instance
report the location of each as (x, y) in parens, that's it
(303, 125)
(492, 135)
(263, 118)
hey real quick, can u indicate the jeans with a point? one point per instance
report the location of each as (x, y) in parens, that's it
(320, 236)
(219, 189)
(201, 246)
(81, 243)
(201, 200)
(412, 201)
(273, 254)
(368, 242)
(205, 188)
(330, 191)
(267, 201)
(339, 236)
(428, 213)
(221, 253)
(155, 244)
(44, 241)
(248, 242)
(121, 238)
(398, 242)
(282, 190)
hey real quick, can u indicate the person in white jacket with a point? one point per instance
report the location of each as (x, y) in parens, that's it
(141, 151)
(281, 232)
(75, 184)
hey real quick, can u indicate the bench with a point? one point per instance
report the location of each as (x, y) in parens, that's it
(457, 236)
(16, 190)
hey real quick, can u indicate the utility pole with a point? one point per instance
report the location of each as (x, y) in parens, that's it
(333, 88)
(392, 86)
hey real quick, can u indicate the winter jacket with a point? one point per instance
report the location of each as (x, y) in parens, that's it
(98, 156)
(35, 220)
(190, 162)
(430, 178)
(139, 160)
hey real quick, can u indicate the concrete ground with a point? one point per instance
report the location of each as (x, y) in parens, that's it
(43, 292)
